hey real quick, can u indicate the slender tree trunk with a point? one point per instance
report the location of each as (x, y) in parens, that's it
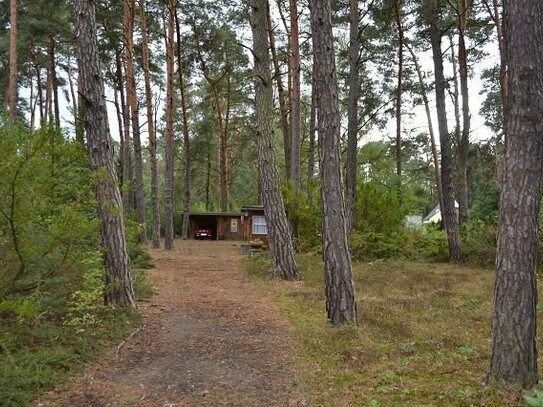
(283, 108)
(513, 357)
(129, 8)
(124, 134)
(169, 172)
(399, 85)
(312, 133)
(208, 176)
(11, 97)
(463, 145)
(449, 212)
(151, 129)
(280, 241)
(72, 93)
(352, 121)
(118, 290)
(186, 135)
(54, 80)
(295, 103)
(424, 95)
(340, 292)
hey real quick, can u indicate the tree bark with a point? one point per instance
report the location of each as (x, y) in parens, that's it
(129, 7)
(295, 103)
(513, 357)
(279, 238)
(155, 208)
(312, 133)
(352, 121)
(340, 292)
(169, 169)
(399, 28)
(463, 144)
(11, 97)
(430, 124)
(283, 108)
(124, 135)
(450, 219)
(186, 134)
(54, 80)
(118, 289)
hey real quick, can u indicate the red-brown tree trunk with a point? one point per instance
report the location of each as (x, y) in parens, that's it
(155, 208)
(129, 7)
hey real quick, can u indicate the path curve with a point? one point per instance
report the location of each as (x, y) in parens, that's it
(210, 338)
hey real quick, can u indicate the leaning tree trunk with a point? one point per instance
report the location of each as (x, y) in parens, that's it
(283, 108)
(132, 97)
(168, 173)
(352, 121)
(151, 129)
(280, 241)
(11, 99)
(449, 213)
(118, 289)
(340, 292)
(426, 103)
(513, 357)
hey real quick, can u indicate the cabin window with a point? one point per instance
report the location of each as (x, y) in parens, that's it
(259, 225)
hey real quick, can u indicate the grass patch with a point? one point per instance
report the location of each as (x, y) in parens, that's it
(423, 335)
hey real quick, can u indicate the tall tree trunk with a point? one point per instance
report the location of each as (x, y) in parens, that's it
(340, 292)
(186, 134)
(72, 93)
(11, 97)
(279, 237)
(399, 27)
(155, 207)
(283, 108)
(494, 13)
(295, 103)
(54, 79)
(449, 212)
(352, 121)
(169, 167)
(463, 145)
(312, 133)
(118, 289)
(129, 9)
(426, 102)
(124, 135)
(513, 357)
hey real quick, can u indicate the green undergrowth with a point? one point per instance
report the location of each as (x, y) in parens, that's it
(422, 339)
(40, 348)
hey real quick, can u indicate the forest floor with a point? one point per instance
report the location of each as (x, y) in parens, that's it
(210, 337)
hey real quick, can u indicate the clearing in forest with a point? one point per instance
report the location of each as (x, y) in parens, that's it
(209, 337)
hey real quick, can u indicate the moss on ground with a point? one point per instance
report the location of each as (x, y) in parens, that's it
(422, 340)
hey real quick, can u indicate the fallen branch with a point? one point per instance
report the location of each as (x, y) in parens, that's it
(117, 353)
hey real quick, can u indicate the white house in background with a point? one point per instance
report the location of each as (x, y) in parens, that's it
(435, 214)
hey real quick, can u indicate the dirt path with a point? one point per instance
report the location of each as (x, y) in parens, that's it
(209, 338)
